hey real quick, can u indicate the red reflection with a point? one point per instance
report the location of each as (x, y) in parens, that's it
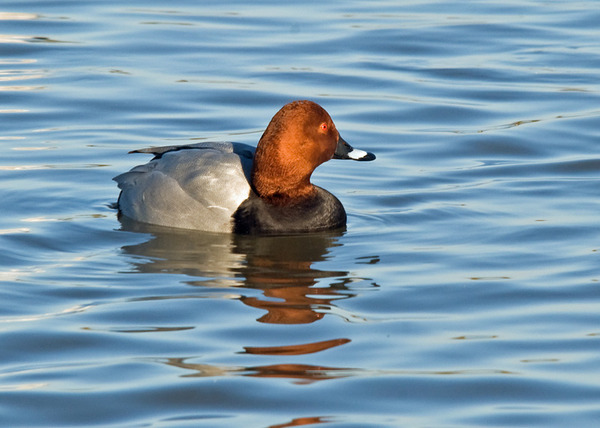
(302, 421)
(305, 348)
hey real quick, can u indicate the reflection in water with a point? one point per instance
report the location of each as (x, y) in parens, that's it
(305, 348)
(302, 373)
(185, 252)
(282, 267)
(296, 422)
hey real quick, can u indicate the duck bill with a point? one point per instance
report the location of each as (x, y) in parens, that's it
(346, 151)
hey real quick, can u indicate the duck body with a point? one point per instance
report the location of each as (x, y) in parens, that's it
(197, 186)
(233, 187)
(317, 212)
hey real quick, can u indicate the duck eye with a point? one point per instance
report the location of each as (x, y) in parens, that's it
(323, 126)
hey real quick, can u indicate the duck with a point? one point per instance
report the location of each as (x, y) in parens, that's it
(229, 187)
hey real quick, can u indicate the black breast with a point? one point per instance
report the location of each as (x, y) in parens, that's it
(320, 211)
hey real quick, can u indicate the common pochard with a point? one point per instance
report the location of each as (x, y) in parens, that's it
(233, 187)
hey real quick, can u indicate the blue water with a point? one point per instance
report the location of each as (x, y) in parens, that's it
(464, 293)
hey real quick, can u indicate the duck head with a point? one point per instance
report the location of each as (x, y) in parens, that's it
(299, 138)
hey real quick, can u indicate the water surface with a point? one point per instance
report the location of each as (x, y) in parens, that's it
(464, 291)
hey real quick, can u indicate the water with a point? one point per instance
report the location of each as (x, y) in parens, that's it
(464, 292)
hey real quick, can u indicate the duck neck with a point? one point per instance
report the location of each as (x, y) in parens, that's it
(281, 189)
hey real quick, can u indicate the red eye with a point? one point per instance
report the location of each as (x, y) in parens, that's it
(323, 126)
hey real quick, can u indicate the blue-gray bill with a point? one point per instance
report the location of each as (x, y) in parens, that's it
(346, 151)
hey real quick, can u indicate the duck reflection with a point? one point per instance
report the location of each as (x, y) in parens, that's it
(282, 267)
(301, 373)
(306, 348)
(308, 420)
